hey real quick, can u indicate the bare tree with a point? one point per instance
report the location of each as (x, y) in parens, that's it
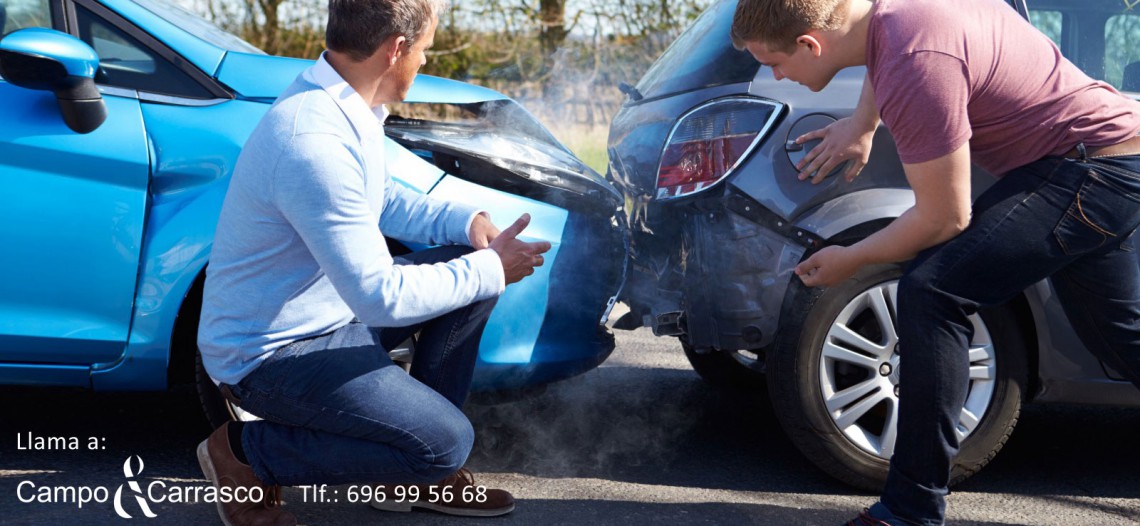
(270, 25)
(552, 22)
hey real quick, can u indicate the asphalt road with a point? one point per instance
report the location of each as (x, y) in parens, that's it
(641, 440)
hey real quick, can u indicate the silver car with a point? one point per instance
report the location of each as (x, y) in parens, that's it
(703, 152)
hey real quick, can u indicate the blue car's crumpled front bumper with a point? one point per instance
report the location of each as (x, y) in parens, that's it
(551, 325)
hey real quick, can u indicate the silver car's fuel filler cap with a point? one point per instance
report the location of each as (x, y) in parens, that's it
(807, 123)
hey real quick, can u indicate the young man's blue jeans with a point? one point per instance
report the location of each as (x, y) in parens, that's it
(1070, 220)
(337, 410)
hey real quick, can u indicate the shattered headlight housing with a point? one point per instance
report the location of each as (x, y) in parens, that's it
(501, 133)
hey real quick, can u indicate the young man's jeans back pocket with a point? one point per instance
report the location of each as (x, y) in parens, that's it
(1106, 208)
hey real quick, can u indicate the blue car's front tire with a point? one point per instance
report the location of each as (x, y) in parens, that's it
(215, 407)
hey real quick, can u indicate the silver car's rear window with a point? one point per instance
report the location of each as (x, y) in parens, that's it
(702, 56)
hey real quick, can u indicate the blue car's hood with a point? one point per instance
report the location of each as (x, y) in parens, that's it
(265, 77)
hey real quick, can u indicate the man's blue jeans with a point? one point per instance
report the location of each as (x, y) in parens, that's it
(1070, 220)
(337, 410)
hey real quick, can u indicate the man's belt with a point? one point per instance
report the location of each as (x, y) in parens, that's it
(1129, 147)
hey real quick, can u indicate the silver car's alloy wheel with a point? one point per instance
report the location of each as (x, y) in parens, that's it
(859, 372)
(833, 373)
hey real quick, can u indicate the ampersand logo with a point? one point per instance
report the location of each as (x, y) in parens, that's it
(129, 473)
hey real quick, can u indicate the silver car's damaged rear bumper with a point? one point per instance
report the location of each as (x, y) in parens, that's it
(720, 281)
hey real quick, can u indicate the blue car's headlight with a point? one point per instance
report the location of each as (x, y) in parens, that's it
(501, 134)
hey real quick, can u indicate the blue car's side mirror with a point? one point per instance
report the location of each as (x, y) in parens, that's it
(44, 59)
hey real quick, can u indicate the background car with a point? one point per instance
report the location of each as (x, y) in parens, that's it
(703, 151)
(115, 163)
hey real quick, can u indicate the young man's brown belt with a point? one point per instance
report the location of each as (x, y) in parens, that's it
(1129, 147)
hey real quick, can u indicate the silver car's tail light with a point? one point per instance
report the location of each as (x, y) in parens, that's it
(710, 141)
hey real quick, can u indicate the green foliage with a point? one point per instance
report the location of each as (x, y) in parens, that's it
(587, 142)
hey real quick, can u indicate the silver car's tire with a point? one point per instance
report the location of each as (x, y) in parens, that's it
(834, 374)
(734, 371)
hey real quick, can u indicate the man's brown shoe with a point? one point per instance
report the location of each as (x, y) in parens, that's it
(454, 495)
(224, 469)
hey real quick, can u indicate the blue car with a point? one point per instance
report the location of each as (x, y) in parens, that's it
(120, 122)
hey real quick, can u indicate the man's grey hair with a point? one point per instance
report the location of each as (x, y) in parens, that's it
(358, 27)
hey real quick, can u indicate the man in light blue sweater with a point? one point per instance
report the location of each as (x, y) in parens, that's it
(303, 298)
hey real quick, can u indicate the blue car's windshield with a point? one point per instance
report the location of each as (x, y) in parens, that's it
(198, 26)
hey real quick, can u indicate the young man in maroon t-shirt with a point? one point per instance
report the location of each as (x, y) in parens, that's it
(959, 83)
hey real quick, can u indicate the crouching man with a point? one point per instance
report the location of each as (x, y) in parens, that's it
(303, 299)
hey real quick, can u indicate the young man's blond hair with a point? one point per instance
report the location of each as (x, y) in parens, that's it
(777, 23)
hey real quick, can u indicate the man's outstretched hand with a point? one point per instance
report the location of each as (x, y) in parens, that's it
(519, 257)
